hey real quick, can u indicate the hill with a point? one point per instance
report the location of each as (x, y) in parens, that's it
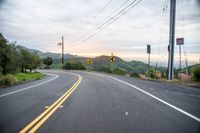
(98, 62)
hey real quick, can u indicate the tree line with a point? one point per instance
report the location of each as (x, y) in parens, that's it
(16, 60)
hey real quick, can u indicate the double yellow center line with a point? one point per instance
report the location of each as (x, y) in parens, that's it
(37, 122)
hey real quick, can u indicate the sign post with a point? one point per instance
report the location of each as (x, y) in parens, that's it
(180, 41)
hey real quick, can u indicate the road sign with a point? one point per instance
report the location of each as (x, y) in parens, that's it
(179, 41)
(89, 61)
(112, 59)
(149, 49)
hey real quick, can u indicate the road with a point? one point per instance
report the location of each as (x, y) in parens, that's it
(89, 102)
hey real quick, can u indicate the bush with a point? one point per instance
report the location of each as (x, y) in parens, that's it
(196, 73)
(74, 66)
(48, 61)
(20, 77)
(119, 71)
(8, 79)
(105, 69)
(151, 73)
(136, 75)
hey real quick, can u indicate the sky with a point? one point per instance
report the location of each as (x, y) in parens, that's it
(39, 24)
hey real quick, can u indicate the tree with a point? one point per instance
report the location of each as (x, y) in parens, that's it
(4, 53)
(196, 73)
(48, 61)
(29, 60)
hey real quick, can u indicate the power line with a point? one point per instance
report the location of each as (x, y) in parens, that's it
(116, 10)
(95, 16)
(113, 20)
(100, 11)
(100, 24)
(117, 14)
(104, 25)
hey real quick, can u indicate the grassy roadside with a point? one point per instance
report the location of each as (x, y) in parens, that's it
(12, 79)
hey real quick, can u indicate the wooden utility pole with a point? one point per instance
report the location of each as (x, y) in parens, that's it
(171, 39)
(62, 45)
(62, 50)
(149, 53)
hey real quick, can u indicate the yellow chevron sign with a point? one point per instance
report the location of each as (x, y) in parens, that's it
(89, 61)
(112, 58)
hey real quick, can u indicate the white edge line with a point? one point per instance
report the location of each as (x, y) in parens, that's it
(9, 93)
(160, 100)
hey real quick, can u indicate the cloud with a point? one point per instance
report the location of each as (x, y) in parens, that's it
(39, 24)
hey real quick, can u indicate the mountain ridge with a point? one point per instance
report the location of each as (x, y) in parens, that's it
(97, 62)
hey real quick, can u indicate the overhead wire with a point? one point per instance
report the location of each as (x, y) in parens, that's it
(111, 20)
(105, 19)
(164, 12)
(95, 16)
(115, 11)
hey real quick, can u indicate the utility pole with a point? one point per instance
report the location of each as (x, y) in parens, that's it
(171, 39)
(62, 45)
(149, 52)
(62, 50)
(180, 56)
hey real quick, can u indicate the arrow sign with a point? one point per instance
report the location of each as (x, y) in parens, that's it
(112, 59)
(89, 61)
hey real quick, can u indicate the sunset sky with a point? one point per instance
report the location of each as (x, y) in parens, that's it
(39, 24)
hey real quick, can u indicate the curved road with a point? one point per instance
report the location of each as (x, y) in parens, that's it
(89, 102)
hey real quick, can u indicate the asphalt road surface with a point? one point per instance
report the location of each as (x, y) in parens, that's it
(89, 102)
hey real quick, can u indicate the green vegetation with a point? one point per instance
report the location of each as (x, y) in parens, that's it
(105, 69)
(72, 65)
(7, 80)
(151, 73)
(196, 73)
(119, 71)
(29, 60)
(12, 79)
(15, 62)
(28, 76)
(48, 61)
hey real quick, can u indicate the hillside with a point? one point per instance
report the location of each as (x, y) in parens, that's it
(98, 62)
(46, 54)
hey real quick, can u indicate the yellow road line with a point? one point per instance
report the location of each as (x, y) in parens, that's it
(51, 109)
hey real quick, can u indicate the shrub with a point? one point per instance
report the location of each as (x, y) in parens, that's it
(151, 73)
(119, 71)
(73, 66)
(105, 69)
(8, 79)
(136, 75)
(196, 73)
